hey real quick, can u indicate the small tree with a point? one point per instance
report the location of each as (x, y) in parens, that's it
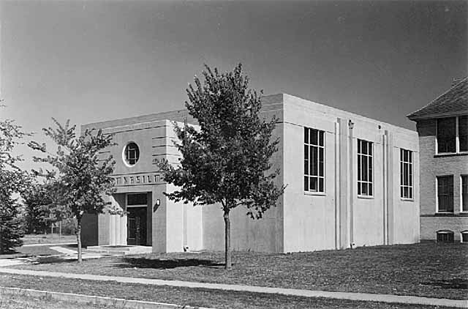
(43, 206)
(83, 176)
(37, 210)
(226, 161)
(11, 225)
(12, 180)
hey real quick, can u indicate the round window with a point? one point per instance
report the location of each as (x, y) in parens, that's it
(131, 153)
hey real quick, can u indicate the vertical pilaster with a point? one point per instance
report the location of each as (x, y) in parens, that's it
(159, 219)
(385, 173)
(103, 229)
(112, 227)
(390, 190)
(343, 183)
(337, 187)
(184, 223)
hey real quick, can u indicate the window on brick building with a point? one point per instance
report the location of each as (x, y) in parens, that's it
(452, 134)
(464, 193)
(445, 193)
(406, 173)
(464, 236)
(463, 133)
(446, 135)
(445, 236)
(314, 158)
(365, 168)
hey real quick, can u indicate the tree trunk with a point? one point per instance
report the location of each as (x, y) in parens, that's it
(227, 240)
(78, 237)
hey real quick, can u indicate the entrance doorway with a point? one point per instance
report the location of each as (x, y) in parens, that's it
(136, 226)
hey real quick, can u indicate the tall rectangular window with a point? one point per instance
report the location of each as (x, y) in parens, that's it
(463, 132)
(464, 193)
(446, 135)
(365, 166)
(406, 174)
(445, 193)
(314, 156)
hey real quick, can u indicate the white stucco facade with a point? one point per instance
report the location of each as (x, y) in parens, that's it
(336, 217)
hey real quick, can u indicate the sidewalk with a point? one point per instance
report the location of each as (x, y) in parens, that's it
(254, 289)
(50, 244)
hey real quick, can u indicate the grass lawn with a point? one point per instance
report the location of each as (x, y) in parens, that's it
(36, 251)
(31, 239)
(39, 250)
(185, 296)
(26, 302)
(427, 269)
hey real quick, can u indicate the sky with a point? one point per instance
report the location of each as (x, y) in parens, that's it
(91, 61)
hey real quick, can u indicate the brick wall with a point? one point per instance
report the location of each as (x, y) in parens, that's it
(433, 165)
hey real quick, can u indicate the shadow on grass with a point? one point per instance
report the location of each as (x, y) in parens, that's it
(459, 284)
(53, 260)
(129, 262)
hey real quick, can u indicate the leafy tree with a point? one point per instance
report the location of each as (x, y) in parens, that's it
(43, 206)
(11, 224)
(83, 176)
(12, 180)
(226, 161)
(37, 210)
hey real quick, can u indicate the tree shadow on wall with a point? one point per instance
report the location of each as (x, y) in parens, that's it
(141, 262)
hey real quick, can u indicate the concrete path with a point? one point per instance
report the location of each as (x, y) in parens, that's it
(52, 244)
(73, 254)
(11, 262)
(65, 254)
(255, 289)
(110, 302)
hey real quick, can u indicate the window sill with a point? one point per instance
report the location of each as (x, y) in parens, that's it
(366, 197)
(315, 193)
(451, 154)
(446, 214)
(405, 199)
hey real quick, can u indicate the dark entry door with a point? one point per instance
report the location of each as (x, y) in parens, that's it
(136, 226)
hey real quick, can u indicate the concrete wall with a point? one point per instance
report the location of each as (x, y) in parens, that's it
(433, 165)
(89, 230)
(308, 217)
(300, 221)
(265, 234)
(165, 228)
(339, 217)
(406, 212)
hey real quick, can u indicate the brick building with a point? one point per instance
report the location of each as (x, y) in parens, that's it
(351, 181)
(442, 126)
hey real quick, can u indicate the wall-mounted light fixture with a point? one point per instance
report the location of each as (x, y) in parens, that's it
(158, 202)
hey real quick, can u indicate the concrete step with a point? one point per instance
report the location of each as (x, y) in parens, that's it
(120, 250)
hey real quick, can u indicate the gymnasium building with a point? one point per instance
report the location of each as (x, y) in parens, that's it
(351, 181)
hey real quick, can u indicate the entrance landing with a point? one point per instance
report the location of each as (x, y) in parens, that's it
(120, 250)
